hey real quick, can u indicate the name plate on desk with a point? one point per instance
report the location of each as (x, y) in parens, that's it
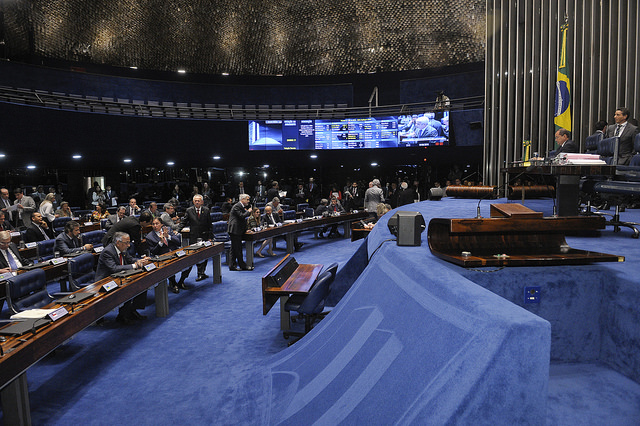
(58, 313)
(58, 261)
(298, 220)
(5, 276)
(88, 223)
(31, 245)
(207, 243)
(98, 249)
(15, 234)
(181, 253)
(149, 267)
(111, 285)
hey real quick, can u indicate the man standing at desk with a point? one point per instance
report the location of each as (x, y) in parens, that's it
(116, 258)
(626, 132)
(26, 206)
(198, 219)
(236, 228)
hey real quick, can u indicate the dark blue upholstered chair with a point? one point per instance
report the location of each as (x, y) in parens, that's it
(93, 237)
(302, 206)
(220, 234)
(289, 215)
(81, 272)
(46, 249)
(608, 150)
(591, 143)
(216, 216)
(27, 290)
(58, 224)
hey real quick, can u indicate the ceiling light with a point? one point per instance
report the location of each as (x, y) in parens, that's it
(127, 160)
(77, 156)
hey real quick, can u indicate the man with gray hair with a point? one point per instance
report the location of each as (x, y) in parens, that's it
(198, 219)
(372, 197)
(236, 228)
(115, 258)
(169, 217)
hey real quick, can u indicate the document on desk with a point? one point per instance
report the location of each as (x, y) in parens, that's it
(32, 314)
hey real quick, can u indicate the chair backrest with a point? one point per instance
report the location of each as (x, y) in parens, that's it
(81, 271)
(46, 249)
(27, 291)
(591, 143)
(260, 204)
(216, 216)
(93, 237)
(289, 215)
(308, 212)
(215, 208)
(220, 231)
(302, 206)
(608, 149)
(332, 270)
(58, 224)
(636, 143)
(314, 302)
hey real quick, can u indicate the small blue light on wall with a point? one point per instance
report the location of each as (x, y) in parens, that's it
(531, 295)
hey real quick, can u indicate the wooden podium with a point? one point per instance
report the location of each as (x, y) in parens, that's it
(514, 236)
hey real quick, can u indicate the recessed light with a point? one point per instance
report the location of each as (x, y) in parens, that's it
(170, 163)
(225, 73)
(127, 160)
(134, 68)
(313, 156)
(2, 155)
(374, 164)
(216, 157)
(266, 166)
(31, 166)
(77, 156)
(182, 71)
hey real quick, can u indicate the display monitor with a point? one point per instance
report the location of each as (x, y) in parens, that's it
(424, 129)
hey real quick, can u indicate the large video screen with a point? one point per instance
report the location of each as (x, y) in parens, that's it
(427, 129)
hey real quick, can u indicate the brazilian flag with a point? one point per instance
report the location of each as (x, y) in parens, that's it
(562, 111)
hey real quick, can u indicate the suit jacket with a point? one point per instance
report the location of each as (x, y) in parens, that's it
(276, 219)
(199, 227)
(168, 221)
(66, 244)
(6, 225)
(111, 220)
(567, 147)
(155, 246)
(29, 207)
(33, 234)
(16, 252)
(372, 197)
(335, 209)
(130, 225)
(109, 262)
(132, 212)
(238, 219)
(625, 146)
(406, 196)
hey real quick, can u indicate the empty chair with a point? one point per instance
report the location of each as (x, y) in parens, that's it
(81, 272)
(311, 305)
(58, 224)
(635, 160)
(289, 215)
(216, 216)
(46, 250)
(27, 291)
(302, 206)
(308, 212)
(220, 234)
(608, 150)
(93, 237)
(591, 143)
(215, 209)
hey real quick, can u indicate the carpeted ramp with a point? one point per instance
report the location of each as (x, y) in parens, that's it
(413, 342)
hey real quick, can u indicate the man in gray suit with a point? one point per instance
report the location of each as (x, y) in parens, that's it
(26, 206)
(236, 228)
(626, 132)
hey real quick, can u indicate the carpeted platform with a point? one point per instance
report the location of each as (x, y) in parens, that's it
(451, 352)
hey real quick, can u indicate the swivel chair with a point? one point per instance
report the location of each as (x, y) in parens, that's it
(81, 272)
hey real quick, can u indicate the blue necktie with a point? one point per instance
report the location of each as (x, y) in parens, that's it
(12, 262)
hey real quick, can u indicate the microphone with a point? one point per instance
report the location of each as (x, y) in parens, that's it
(496, 190)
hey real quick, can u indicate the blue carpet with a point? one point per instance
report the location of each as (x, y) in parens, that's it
(205, 363)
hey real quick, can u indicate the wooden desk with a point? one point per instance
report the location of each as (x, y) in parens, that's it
(19, 353)
(86, 227)
(514, 236)
(289, 230)
(285, 279)
(567, 181)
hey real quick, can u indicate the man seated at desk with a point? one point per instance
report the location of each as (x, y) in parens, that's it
(161, 240)
(115, 258)
(115, 218)
(39, 230)
(68, 241)
(565, 144)
(334, 208)
(10, 259)
(5, 225)
(276, 206)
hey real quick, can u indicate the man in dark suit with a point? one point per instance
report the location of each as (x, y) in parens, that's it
(626, 132)
(236, 228)
(5, 203)
(565, 144)
(161, 240)
(5, 225)
(115, 258)
(407, 195)
(68, 241)
(132, 226)
(273, 191)
(10, 259)
(133, 208)
(38, 230)
(198, 219)
(110, 197)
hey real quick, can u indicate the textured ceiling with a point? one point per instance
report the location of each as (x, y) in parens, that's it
(249, 37)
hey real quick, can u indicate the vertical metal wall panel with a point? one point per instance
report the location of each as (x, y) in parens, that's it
(523, 49)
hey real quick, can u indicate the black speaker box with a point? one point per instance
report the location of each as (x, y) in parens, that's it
(408, 227)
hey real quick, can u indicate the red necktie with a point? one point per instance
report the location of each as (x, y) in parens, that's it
(121, 260)
(198, 213)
